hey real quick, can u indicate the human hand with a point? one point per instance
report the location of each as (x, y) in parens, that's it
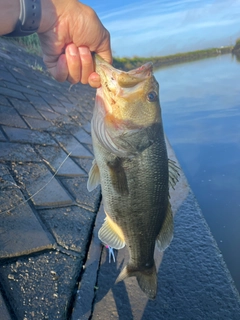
(69, 32)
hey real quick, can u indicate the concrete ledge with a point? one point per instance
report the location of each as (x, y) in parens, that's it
(193, 280)
(4, 312)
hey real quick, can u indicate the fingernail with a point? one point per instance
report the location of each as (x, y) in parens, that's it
(72, 50)
(83, 50)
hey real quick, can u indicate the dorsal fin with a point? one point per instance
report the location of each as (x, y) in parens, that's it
(173, 170)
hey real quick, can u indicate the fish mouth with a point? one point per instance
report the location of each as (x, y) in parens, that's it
(120, 89)
(123, 79)
(143, 72)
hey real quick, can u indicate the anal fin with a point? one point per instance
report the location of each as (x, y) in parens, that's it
(166, 233)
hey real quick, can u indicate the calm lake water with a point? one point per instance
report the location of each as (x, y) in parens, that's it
(201, 111)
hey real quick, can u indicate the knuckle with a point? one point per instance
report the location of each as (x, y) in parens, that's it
(108, 35)
(91, 13)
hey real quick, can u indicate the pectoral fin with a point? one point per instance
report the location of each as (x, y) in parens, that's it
(166, 233)
(118, 177)
(110, 234)
(93, 177)
(173, 170)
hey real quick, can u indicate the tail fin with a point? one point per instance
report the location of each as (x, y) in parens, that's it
(147, 279)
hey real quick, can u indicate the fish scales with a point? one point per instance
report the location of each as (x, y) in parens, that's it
(131, 164)
(147, 189)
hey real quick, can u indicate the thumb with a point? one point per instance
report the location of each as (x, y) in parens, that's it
(104, 49)
(106, 55)
(59, 69)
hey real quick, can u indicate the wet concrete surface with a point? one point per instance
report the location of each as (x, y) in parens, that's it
(52, 265)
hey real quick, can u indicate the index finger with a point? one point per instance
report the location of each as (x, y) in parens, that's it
(104, 49)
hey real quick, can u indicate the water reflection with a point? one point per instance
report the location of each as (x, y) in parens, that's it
(201, 110)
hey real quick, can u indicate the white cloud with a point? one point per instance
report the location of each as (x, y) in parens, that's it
(166, 26)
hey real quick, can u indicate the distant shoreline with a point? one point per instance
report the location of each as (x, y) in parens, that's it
(32, 45)
(163, 61)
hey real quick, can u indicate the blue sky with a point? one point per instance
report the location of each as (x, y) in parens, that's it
(150, 28)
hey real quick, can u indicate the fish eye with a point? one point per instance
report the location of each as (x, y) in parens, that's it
(152, 96)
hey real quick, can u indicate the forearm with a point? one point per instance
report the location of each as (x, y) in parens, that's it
(48, 16)
(10, 11)
(9, 14)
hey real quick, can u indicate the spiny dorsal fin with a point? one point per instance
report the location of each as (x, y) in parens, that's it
(110, 234)
(166, 233)
(173, 170)
(93, 177)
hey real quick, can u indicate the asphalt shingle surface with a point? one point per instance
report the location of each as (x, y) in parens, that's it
(47, 215)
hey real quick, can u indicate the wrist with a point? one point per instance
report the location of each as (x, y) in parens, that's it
(53, 11)
(9, 15)
(48, 16)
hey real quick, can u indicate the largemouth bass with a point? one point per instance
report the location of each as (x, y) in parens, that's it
(132, 166)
